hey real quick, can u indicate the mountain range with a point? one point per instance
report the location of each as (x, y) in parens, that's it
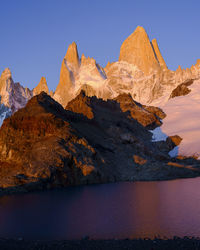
(134, 108)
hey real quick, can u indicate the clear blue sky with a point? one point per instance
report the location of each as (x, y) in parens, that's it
(35, 34)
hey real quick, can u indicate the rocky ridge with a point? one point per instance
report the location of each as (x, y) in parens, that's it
(44, 146)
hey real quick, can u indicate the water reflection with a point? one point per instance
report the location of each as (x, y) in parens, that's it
(120, 210)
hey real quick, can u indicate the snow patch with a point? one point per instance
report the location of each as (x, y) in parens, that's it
(158, 135)
(174, 152)
(4, 113)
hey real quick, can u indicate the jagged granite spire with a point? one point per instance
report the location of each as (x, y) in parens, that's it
(70, 65)
(158, 54)
(137, 50)
(72, 56)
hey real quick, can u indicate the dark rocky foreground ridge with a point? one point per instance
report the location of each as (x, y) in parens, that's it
(44, 145)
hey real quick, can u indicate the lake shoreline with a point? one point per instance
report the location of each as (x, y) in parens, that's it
(35, 187)
(147, 244)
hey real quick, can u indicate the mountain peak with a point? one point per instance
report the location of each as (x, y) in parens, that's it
(138, 50)
(6, 74)
(87, 60)
(13, 95)
(179, 69)
(62, 93)
(42, 86)
(72, 56)
(198, 62)
(5, 82)
(140, 29)
(83, 57)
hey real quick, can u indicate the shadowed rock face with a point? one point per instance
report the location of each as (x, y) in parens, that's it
(147, 116)
(45, 146)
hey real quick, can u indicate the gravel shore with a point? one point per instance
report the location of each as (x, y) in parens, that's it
(146, 244)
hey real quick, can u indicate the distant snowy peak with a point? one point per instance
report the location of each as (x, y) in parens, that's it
(12, 95)
(140, 71)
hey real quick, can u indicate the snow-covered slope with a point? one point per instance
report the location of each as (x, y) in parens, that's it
(92, 79)
(4, 113)
(183, 119)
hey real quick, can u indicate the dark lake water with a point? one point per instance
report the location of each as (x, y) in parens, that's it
(119, 210)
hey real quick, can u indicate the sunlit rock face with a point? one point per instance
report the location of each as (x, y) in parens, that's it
(72, 57)
(80, 74)
(158, 54)
(42, 86)
(137, 50)
(69, 68)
